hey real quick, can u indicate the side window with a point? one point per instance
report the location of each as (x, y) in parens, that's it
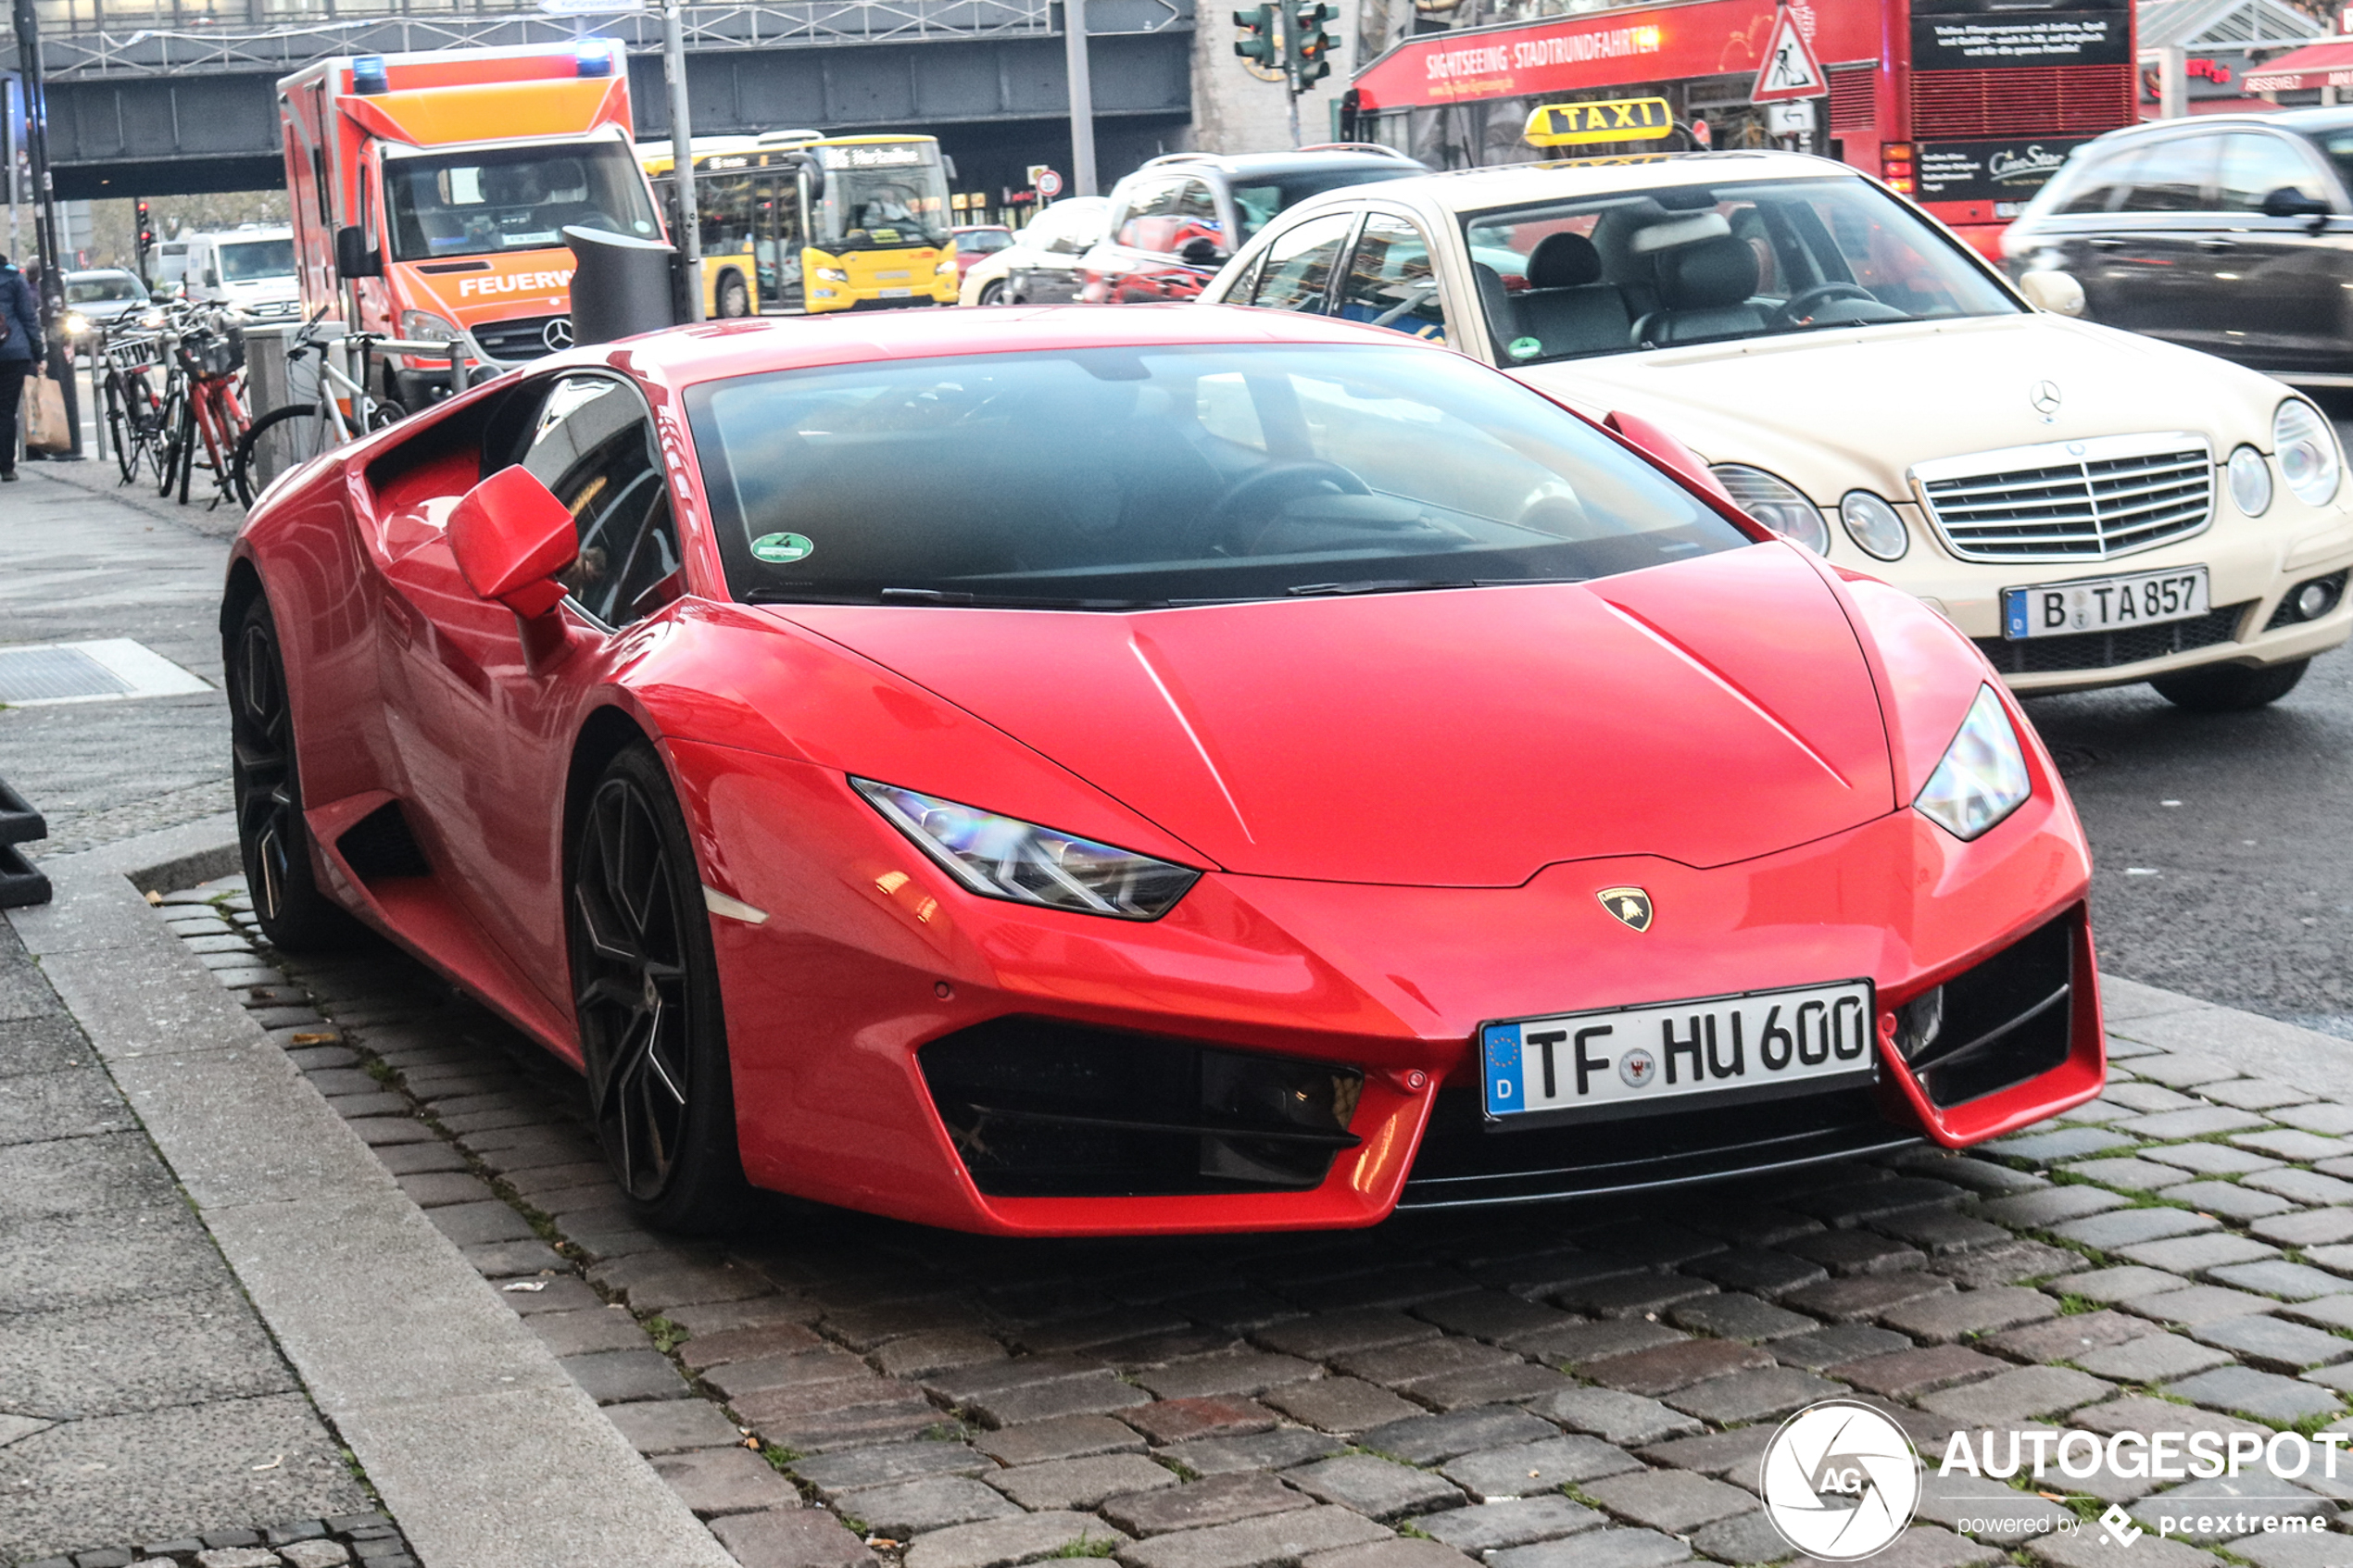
(1143, 221)
(1392, 281)
(1196, 215)
(1296, 272)
(2095, 186)
(592, 446)
(2254, 166)
(2172, 176)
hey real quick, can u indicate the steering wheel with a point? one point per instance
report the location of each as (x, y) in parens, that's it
(1803, 304)
(1267, 491)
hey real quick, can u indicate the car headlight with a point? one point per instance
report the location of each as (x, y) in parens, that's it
(1776, 504)
(1982, 777)
(76, 323)
(831, 274)
(2250, 482)
(1005, 858)
(2307, 451)
(1874, 526)
(423, 326)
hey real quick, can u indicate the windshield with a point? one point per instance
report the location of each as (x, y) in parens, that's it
(1114, 479)
(483, 202)
(250, 261)
(104, 289)
(980, 241)
(881, 196)
(1709, 264)
(1256, 203)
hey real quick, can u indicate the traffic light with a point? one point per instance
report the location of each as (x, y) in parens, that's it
(146, 236)
(1259, 42)
(1310, 46)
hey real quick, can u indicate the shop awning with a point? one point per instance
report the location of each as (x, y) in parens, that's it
(2315, 65)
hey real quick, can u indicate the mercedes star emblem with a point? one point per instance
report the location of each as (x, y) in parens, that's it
(2045, 399)
(557, 335)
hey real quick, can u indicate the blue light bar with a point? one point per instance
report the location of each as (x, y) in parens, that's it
(594, 56)
(368, 75)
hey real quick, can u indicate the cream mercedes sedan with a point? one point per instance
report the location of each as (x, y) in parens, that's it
(2091, 507)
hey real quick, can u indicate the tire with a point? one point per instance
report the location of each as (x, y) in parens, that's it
(992, 292)
(734, 298)
(645, 992)
(241, 463)
(171, 441)
(274, 840)
(122, 434)
(2230, 689)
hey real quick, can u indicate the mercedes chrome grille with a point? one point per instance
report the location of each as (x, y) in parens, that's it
(2071, 500)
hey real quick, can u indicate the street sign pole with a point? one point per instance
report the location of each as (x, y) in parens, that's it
(682, 153)
(44, 197)
(1082, 98)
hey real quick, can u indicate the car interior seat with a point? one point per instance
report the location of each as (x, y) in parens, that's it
(1567, 308)
(1703, 292)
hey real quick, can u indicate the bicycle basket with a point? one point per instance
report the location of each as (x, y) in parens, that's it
(215, 354)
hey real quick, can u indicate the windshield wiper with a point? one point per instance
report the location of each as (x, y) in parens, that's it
(1376, 585)
(1006, 601)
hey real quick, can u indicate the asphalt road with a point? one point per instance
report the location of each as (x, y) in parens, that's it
(2222, 844)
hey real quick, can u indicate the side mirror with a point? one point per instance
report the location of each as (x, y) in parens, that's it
(1664, 448)
(1202, 251)
(2289, 202)
(511, 536)
(2057, 292)
(353, 259)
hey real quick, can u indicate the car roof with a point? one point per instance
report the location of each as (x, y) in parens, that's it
(2307, 122)
(1472, 190)
(103, 272)
(1260, 166)
(714, 351)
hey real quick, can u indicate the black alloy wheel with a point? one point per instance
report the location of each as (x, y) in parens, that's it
(645, 992)
(274, 840)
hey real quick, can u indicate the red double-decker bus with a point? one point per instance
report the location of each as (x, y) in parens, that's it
(1967, 105)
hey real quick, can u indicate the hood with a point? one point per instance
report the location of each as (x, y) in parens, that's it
(1707, 711)
(1831, 410)
(477, 289)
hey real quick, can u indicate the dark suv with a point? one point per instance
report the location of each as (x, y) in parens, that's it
(2230, 233)
(1177, 220)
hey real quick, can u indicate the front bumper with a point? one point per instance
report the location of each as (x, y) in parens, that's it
(871, 956)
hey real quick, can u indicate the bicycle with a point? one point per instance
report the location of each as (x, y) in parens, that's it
(132, 352)
(343, 408)
(203, 404)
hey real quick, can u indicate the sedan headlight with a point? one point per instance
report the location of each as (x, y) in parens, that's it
(1776, 504)
(76, 323)
(1005, 858)
(2250, 482)
(1874, 526)
(2306, 450)
(1982, 778)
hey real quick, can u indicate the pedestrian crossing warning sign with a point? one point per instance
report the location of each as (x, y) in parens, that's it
(1789, 69)
(1593, 124)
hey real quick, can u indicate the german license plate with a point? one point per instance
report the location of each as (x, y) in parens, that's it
(1632, 1061)
(897, 293)
(2104, 604)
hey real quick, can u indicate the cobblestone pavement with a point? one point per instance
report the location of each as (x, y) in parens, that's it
(1576, 1387)
(348, 1540)
(141, 1400)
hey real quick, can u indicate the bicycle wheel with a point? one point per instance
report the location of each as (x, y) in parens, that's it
(122, 429)
(170, 440)
(297, 443)
(186, 443)
(147, 423)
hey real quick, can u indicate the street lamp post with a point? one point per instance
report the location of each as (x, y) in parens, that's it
(1082, 99)
(682, 153)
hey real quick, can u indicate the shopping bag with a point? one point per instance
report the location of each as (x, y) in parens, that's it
(44, 416)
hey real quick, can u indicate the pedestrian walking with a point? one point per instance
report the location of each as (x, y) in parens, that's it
(21, 353)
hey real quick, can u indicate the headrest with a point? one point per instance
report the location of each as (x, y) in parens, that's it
(1708, 275)
(1564, 260)
(1679, 231)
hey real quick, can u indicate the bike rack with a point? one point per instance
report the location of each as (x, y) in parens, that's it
(21, 883)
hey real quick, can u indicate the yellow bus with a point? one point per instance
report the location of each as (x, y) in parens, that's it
(800, 222)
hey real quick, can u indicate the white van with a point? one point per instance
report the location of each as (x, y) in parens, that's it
(251, 270)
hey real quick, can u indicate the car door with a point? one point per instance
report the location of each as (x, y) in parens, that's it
(1391, 279)
(2275, 282)
(1046, 269)
(484, 724)
(2147, 273)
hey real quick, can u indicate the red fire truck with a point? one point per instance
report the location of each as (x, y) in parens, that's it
(1967, 105)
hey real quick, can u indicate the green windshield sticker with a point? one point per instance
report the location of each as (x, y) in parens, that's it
(1527, 347)
(781, 549)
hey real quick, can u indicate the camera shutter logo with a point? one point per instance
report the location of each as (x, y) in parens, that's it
(1840, 1481)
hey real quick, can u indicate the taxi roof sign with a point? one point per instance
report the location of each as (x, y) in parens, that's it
(1593, 124)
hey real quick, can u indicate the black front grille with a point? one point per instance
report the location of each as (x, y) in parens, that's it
(2009, 1018)
(1042, 1108)
(1462, 1164)
(2104, 650)
(523, 337)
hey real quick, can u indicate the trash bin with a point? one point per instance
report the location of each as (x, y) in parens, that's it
(272, 382)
